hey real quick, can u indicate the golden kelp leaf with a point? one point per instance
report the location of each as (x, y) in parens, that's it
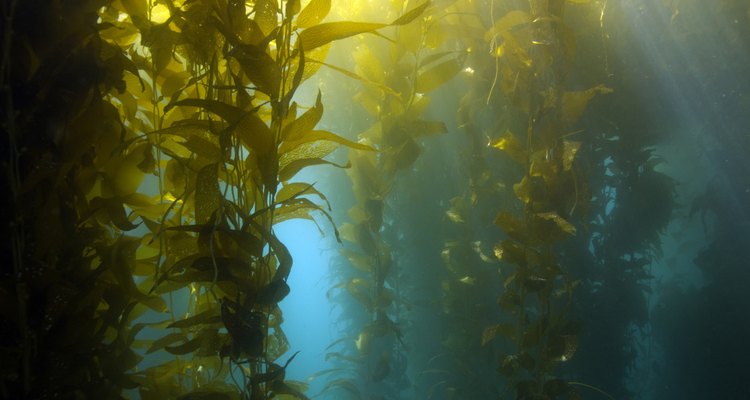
(136, 8)
(358, 260)
(254, 133)
(317, 136)
(368, 65)
(266, 15)
(207, 194)
(523, 189)
(436, 76)
(226, 111)
(293, 7)
(491, 332)
(360, 290)
(166, 340)
(291, 191)
(514, 227)
(292, 168)
(319, 35)
(506, 23)
(570, 148)
(313, 13)
(259, 67)
(412, 14)
(512, 252)
(206, 317)
(305, 151)
(123, 177)
(348, 232)
(510, 145)
(562, 347)
(574, 103)
(579, 1)
(311, 65)
(296, 129)
(457, 210)
(419, 128)
(352, 75)
(403, 157)
(564, 225)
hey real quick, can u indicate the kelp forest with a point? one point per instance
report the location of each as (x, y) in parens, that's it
(500, 199)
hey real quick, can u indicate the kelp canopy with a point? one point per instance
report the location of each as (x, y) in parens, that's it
(505, 191)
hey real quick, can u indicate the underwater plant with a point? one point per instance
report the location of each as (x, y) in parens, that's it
(535, 48)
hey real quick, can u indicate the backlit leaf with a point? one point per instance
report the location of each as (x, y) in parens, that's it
(574, 103)
(436, 76)
(564, 225)
(412, 14)
(511, 146)
(313, 13)
(319, 35)
(207, 194)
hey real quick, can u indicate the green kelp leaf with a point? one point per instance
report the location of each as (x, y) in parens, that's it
(313, 13)
(490, 332)
(206, 317)
(412, 14)
(574, 103)
(259, 67)
(436, 76)
(319, 35)
(561, 223)
(226, 111)
(511, 146)
(207, 194)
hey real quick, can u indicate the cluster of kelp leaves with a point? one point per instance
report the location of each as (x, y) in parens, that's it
(151, 148)
(580, 202)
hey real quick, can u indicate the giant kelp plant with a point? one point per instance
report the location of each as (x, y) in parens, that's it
(505, 221)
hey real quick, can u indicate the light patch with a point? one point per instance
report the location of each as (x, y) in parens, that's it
(159, 14)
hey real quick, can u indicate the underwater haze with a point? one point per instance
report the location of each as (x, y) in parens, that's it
(375, 199)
